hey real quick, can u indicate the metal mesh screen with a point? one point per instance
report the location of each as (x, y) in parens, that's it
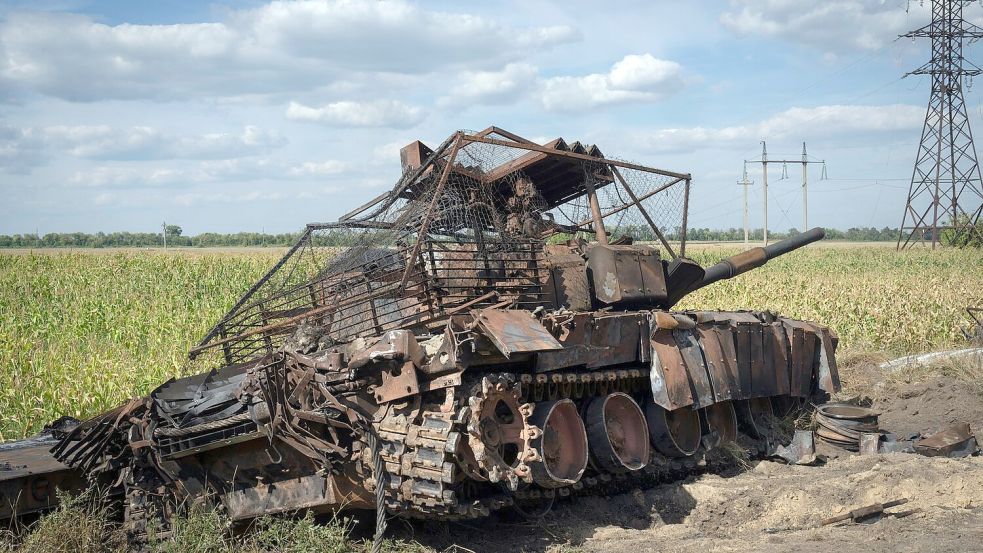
(465, 229)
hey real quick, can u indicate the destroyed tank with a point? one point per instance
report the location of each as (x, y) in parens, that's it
(495, 331)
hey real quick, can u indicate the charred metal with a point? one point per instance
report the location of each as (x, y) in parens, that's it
(455, 346)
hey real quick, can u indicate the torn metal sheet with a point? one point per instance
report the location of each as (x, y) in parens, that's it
(800, 451)
(956, 441)
(515, 331)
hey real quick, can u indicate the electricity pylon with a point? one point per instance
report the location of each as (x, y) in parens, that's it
(946, 191)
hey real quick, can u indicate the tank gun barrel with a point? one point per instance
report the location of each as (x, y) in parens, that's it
(756, 257)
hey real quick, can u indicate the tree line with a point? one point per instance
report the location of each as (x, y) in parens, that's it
(176, 238)
(145, 239)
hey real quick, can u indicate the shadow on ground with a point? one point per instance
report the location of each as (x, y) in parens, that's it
(569, 523)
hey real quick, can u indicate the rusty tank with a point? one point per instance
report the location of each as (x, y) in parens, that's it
(494, 331)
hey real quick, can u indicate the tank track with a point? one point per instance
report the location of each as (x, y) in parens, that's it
(425, 479)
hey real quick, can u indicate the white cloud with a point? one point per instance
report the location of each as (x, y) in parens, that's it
(205, 172)
(832, 120)
(833, 26)
(381, 113)
(21, 150)
(280, 47)
(195, 198)
(635, 78)
(318, 168)
(128, 177)
(491, 87)
(105, 142)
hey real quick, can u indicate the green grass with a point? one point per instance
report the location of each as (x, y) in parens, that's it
(81, 332)
(83, 524)
(874, 298)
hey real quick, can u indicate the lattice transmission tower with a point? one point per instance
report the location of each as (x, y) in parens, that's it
(946, 192)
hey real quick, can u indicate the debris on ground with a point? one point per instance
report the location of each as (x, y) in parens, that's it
(863, 513)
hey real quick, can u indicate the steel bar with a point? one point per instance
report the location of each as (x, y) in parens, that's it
(595, 209)
(404, 181)
(682, 234)
(645, 196)
(574, 155)
(425, 226)
(642, 210)
(252, 290)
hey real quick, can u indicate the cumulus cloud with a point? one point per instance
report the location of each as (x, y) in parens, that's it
(204, 172)
(831, 26)
(318, 168)
(635, 78)
(133, 143)
(279, 47)
(381, 113)
(21, 150)
(24, 148)
(830, 120)
(491, 87)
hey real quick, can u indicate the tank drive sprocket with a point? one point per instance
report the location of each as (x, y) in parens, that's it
(499, 431)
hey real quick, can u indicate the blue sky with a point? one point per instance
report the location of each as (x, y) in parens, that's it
(258, 116)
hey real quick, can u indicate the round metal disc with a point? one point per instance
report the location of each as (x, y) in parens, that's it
(617, 433)
(561, 447)
(722, 418)
(674, 433)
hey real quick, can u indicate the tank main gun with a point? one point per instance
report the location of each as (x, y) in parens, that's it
(756, 257)
(682, 272)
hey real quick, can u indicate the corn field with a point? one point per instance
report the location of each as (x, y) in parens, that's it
(81, 332)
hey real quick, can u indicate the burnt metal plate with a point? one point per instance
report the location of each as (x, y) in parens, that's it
(574, 336)
(515, 331)
(615, 340)
(777, 357)
(670, 384)
(722, 369)
(302, 492)
(802, 340)
(827, 376)
(692, 354)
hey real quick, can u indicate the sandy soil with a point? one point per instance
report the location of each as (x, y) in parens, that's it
(774, 507)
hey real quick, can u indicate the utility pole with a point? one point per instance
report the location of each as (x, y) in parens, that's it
(805, 189)
(945, 182)
(764, 183)
(805, 161)
(163, 232)
(745, 183)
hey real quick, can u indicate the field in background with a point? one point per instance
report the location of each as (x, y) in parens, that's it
(82, 331)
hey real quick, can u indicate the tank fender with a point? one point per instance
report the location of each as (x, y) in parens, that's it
(668, 372)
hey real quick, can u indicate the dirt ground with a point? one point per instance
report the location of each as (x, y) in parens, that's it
(774, 507)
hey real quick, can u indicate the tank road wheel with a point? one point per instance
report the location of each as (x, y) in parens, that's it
(722, 418)
(617, 433)
(499, 431)
(561, 447)
(674, 433)
(755, 416)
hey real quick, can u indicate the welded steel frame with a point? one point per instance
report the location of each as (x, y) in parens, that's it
(421, 283)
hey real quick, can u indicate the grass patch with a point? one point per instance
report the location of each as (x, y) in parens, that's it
(82, 332)
(82, 524)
